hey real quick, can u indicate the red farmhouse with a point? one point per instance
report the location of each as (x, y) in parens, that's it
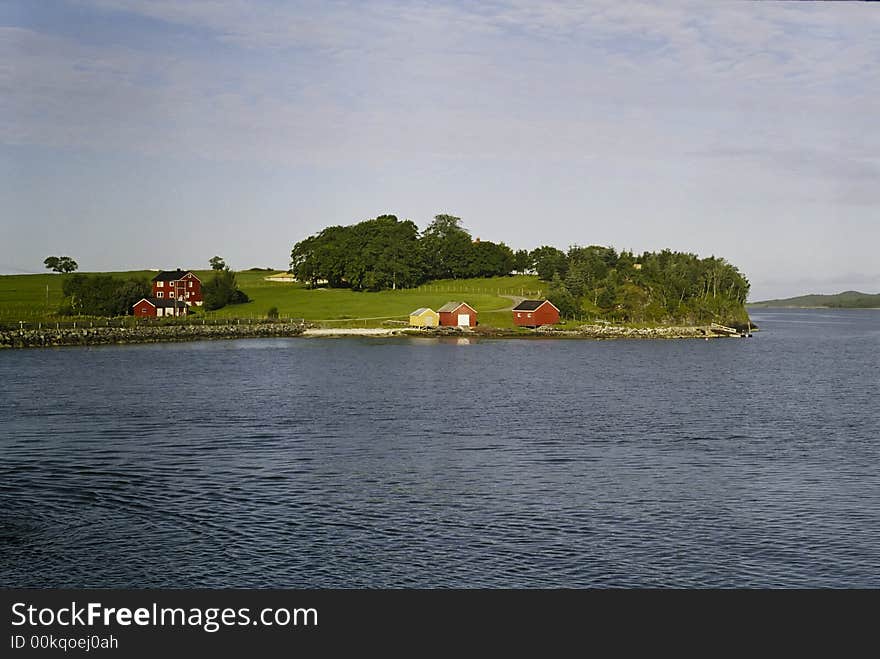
(533, 313)
(178, 285)
(457, 314)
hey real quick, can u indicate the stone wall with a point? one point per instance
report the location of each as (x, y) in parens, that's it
(38, 338)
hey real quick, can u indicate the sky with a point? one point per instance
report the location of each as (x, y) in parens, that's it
(141, 134)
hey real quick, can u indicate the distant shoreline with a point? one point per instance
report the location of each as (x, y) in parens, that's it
(844, 300)
(761, 305)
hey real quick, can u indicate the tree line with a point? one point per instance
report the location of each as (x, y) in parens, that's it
(585, 282)
(387, 253)
(663, 286)
(101, 295)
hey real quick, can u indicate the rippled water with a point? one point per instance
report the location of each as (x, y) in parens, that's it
(403, 463)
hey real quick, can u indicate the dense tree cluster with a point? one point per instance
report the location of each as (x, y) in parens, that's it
(101, 295)
(390, 253)
(585, 282)
(661, 286)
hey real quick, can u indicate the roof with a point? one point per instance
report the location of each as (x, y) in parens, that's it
(452, 306)
(173, 275)
(180, 304)
(419, 312)
(531, 305)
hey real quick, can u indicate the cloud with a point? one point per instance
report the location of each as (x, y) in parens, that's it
(320, 82)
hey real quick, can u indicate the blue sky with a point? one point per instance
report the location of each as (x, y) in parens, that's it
(155, 134)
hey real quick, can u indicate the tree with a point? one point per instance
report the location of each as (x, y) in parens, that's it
(561, 298)
(217, 263)
(62, 264)
(522, 261)
(222, 290)
(447, 248)
(549, 261)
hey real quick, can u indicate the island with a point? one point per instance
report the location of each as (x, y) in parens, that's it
(386, 275)
(844, 300)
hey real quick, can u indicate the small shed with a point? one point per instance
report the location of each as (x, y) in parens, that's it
(534, 313)
(424, 317)
(151, 307)
(457, 314)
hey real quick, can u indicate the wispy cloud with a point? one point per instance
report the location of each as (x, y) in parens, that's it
(690, 107)
(332, 78)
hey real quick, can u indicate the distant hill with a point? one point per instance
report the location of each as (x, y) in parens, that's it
(845, 300)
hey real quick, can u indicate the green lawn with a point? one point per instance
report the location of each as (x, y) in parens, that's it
(23, 297)
(342, 307)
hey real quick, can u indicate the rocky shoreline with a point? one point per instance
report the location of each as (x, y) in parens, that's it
(48, 337)
(598, 331)
(581, 332)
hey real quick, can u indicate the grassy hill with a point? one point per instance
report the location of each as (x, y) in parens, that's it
(845, 300)
(33, 298)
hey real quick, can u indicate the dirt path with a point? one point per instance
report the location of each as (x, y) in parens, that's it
(516, 300)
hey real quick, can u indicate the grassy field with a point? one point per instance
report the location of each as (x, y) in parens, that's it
(24, 297)
(37, 297)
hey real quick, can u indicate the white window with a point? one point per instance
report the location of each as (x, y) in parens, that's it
(160, 284)
(190, 284)
(187, 296)
(519, 315)
(171, 294)
(160, 294)
(530, 315)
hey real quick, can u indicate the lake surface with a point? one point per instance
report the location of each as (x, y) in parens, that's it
(311, 463)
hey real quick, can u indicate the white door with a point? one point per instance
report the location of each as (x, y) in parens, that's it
(464, 320)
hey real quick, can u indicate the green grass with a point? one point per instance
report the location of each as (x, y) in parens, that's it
(345, 308)
(23, 297)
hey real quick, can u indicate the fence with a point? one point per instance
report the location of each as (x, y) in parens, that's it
(464, 288)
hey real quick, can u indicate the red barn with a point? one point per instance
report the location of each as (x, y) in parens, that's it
(533, 313)
(178, 285)
(457, 314)
(150, 307)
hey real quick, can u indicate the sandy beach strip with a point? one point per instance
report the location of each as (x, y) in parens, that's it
(348, 331)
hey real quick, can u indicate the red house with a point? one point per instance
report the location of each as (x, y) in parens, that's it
(534, 313)
(178, 285)
(150, 307)
(457, 314)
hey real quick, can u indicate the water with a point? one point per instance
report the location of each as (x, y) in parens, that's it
(309, 463)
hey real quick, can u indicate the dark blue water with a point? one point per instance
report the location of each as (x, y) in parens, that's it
(402, 463)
